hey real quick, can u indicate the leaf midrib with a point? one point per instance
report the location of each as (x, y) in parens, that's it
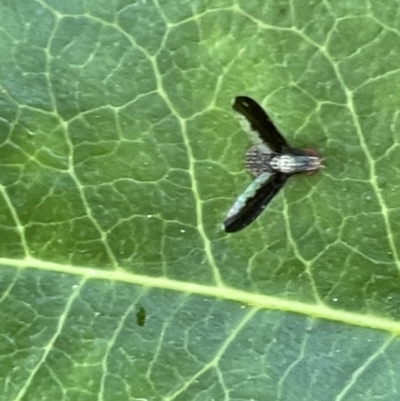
(257, 301)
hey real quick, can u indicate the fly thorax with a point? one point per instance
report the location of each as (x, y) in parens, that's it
(290, 164)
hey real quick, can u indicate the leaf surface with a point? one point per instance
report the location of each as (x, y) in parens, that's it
(120, 156)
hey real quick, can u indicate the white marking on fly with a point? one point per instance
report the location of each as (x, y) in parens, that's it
(295, 163)
(283, 163)
(249, 192)
(246, 126)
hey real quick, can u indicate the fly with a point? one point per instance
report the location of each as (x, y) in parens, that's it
(272, 161)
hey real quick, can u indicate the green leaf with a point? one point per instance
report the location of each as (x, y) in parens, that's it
(120, 156)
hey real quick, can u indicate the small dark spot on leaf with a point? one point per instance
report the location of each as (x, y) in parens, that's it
(141, 316)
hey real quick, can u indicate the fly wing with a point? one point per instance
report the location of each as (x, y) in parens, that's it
(260, 123)
(253, 201)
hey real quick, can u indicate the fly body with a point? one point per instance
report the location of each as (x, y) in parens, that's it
(272, 161)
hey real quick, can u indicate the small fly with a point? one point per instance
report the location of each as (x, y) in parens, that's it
(272, 161)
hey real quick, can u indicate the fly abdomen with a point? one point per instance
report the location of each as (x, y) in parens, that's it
(258, 160)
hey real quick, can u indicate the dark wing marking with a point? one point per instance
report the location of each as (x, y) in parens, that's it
(247, 208)
(260, 122)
